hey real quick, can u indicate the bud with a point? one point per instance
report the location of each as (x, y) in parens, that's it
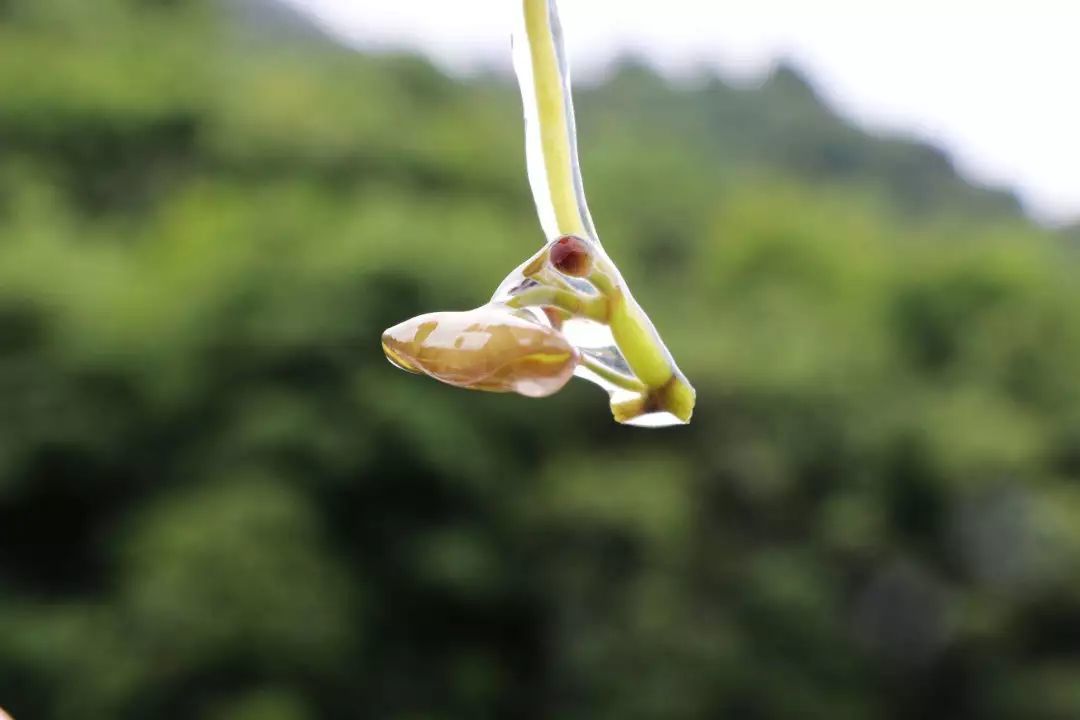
(570, 256)
(492, 348)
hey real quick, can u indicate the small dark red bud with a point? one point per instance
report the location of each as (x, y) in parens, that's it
(570, 256)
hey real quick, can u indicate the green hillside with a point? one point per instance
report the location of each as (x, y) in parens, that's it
(218, 500)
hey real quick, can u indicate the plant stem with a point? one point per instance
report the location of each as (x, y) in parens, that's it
(555, 177)
(551, 141)
(615, 378)
(594, 308)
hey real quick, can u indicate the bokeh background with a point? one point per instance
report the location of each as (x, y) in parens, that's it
(218, 500)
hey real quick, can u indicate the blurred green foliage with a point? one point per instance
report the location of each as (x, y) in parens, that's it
(217, 500)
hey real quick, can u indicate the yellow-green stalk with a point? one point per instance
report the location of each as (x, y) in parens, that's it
(559, 193)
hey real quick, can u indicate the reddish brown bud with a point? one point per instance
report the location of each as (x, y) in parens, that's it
(570, 256)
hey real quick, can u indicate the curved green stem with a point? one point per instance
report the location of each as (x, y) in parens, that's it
(572, 302)
(615, 378)
(551, 140)
(555, 177)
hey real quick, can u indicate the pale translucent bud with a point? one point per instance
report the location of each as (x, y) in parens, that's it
(492, 348)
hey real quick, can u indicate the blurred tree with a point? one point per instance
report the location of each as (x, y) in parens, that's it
(218, 501)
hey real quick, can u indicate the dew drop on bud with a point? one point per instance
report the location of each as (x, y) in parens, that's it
(570, 256)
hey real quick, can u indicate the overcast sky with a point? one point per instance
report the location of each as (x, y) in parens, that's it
(995, 82)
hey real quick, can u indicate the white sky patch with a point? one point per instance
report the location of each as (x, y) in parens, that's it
(997, 84)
